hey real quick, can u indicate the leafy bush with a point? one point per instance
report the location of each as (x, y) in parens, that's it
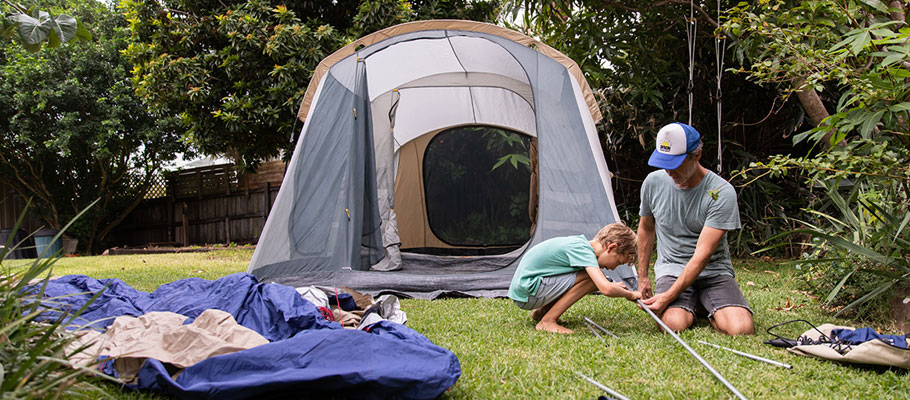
(861, 242)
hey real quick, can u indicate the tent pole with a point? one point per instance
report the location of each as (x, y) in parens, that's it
(697, 357)
(747, 355)
(609, 391)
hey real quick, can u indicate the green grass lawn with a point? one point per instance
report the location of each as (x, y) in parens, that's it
(503, 357)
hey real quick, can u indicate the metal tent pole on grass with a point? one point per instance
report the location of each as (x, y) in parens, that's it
(697, 357)
(609, 391)
(747, 355)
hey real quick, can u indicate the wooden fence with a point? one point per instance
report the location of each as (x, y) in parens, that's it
(202, 206)
(11, 207)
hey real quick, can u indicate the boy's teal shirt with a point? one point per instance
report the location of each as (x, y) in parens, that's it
(554, 256)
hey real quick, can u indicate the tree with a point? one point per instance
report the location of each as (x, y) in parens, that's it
(33, 27)
(73, 130)
(856, 55)
(236, 71)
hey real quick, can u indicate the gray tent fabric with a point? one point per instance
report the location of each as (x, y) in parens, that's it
(334, 220)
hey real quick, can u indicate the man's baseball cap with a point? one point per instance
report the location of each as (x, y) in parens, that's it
(673, 142)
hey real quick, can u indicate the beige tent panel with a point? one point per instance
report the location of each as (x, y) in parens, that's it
(471, 26)
(410, 203)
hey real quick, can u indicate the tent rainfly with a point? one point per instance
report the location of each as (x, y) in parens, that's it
(432, 155)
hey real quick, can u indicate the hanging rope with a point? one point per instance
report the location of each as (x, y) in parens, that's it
(719, 48)
(691, 28)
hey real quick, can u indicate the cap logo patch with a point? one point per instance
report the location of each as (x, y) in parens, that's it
(665, 146)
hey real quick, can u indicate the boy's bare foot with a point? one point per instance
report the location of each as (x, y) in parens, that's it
(553, 327)
(538, 313)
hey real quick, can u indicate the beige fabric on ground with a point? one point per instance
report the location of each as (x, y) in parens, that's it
(348, 319)
(362, 300)
(873, 352)
(162, 336)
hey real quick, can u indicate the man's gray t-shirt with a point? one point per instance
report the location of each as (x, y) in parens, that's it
(680, 215)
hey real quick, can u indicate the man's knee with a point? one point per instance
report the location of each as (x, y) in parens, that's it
(734, 321)
(677, 319)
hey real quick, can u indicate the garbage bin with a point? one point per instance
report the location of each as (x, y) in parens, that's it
(43, 245)
(24, 250)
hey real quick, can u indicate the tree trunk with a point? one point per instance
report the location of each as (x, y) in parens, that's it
(898, 14)
(814, 108)
(813, 105)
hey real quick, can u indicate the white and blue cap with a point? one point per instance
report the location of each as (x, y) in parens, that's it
(674, 141)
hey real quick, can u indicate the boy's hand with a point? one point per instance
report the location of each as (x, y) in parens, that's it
(633, 295)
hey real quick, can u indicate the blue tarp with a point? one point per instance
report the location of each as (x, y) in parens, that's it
(307, 357)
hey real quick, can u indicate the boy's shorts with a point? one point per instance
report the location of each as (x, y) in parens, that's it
(551, 288)
(706, 295)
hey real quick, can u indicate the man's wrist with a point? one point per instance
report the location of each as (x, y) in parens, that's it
(672, 293)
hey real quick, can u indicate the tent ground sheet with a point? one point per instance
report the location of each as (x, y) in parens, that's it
(306, 357)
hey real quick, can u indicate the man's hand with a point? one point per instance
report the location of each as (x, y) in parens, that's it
(644, 286)
(659, 302)
(633, 295)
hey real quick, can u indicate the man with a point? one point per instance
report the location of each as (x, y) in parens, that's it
(689, 209)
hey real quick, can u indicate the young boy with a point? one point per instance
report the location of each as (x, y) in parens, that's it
(557, 272)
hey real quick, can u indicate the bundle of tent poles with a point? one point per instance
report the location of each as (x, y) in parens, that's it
(592, 325)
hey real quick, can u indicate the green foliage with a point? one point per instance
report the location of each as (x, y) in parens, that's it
(483, 11)
(34, 343)
(500, 141)
(484, 229)
(373, 15)
(73, 130)
(236, 71)
(33, 27)
(856, 48)
(861, 247)
(614, 46)
(861, 53)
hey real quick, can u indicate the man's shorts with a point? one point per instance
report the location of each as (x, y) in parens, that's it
(706, 295)
(551, 288)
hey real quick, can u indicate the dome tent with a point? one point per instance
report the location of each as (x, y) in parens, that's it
(433, 153)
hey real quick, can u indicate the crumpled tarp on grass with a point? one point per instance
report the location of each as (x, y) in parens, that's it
(307, 356)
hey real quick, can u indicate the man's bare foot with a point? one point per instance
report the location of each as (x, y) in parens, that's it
(553, 327)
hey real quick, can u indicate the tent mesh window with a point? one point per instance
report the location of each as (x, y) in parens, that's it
(477, 188)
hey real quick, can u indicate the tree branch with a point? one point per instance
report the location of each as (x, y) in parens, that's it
(16, 7)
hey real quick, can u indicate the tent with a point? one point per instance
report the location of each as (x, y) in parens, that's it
(432, 155)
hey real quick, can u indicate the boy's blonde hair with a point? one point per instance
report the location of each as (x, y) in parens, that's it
(626, 240)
